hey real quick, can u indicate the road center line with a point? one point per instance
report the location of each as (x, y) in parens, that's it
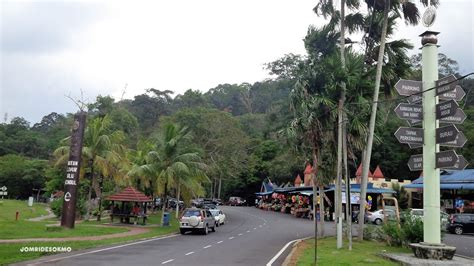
(208, 246)
(231, 237)
(255, 228)
(189, 253)
(220, 242)
(164, 262)
(248, 231)
(240, 234)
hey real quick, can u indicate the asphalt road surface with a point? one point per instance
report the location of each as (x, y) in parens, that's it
(249, 237)
(464, 243)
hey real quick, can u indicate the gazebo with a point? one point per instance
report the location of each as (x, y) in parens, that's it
(131, 195)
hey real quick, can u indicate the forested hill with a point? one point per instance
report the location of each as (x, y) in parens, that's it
(238, 129)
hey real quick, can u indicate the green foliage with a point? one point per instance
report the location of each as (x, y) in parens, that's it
(394, 235)
(57, 207)
(412, 231)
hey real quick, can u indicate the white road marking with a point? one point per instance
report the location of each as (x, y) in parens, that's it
(260, 226)
(104, 249)
(255, 228)
(282, 250)
(164, 262)
(208, 246)
(231, 237)
(189, 253)
(248, 231)
(220, 242)
(240, 234)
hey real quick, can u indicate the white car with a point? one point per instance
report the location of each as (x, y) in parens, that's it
(377, 217)
(419, 213)
(219, 216)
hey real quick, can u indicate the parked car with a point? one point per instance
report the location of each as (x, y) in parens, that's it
(197, 220)
(209, 206)
(377, 217)
(236, 201)
(419, 214)
(219, 216)
(355, 217)
(460, 223)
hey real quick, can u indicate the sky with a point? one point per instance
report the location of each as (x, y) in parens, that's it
(53, 49)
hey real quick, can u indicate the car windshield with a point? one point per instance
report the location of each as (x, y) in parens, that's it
(190, 213)
(214, 212)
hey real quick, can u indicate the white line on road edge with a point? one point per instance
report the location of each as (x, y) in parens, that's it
(164, 262)
(240, 234)
(104, 249)
(231, 237)
(282, 250)
(220, 242)
(208, 246)
(189, 253)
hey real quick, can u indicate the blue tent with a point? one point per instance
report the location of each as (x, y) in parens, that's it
(450, 179)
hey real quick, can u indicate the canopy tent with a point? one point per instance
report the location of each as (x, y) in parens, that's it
(450, 179)
(129, 194)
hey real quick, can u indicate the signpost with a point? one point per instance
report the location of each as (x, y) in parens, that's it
(3, 191)
(457, 118)
(457, 94)
(460, 164)
(416, 162)
(446, 109)
(458, 142)
(446, 84)
(446, 134)
(409, 111)
(68, 216)
(411, 135)
(446, 159)
(408, 87)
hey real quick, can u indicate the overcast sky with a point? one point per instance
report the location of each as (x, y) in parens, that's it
(49, 49)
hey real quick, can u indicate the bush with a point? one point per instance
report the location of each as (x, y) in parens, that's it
(394, 236)
(57, 207)
(412, 231)
(374, 232)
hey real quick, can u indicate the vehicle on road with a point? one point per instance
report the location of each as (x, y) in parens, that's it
(197, 220)
(236, 201)
(377, 217)
(419, 214)
(460, 223)
(219, 216)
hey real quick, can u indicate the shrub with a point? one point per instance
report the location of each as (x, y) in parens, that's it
(374, 232)
(412, 231)
(57, 207)
(393, 234)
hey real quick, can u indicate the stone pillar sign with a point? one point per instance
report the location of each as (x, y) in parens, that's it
(72, 171)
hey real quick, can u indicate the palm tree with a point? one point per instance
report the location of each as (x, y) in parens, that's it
(103, 151)
(169, 164)
(411, 15)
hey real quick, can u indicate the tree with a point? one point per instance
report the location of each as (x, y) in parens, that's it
(411, 15)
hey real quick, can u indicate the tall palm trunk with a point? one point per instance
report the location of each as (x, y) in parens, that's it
(164, 202)
(348, 185)
(315, 204)
(89, 194)
(220, 187)
(368, 150)
(340, 134)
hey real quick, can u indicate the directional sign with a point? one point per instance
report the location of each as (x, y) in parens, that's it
(415, 98)
(446, 134)
(414, 122)
(446, 84)
(460, 164)
(446, 159)
(409, 135)
(409, 111)
(3, 193)
(457, 94)
(4, 188)
(416, 162)
(446, 109)
(458, 142)
(415, 146)
(457, 118)
(408, 87)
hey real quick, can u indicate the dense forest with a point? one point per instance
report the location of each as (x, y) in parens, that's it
(226, 141)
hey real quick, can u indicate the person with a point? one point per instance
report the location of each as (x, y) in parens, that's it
(116, 209)
(459, 205)
(136, 209)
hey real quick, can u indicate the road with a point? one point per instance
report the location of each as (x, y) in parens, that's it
(249, 237)
(463, 243)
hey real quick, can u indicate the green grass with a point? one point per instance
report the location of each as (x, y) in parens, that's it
(10, 253)
(363, 253)
(8, 209)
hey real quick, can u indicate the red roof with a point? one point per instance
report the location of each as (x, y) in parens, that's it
(308, 169)
(298, 180)
(378, 173)
(131, 195)
(359, 171)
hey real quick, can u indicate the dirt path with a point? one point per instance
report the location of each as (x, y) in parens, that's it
(133, 231)
(44, 217)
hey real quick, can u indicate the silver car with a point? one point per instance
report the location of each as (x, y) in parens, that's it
(377, 217)
(197, 220)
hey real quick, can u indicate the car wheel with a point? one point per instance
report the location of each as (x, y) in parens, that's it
(217, 224)
(213, 228)
(206, 230)
(182, 231)
(458, 230)
(378, 221)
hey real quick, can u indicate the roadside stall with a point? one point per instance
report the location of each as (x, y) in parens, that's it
(133, 206)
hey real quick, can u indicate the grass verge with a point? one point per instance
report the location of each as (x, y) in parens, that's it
(362, 253)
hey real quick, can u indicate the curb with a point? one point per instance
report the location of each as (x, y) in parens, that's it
(287, 260)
